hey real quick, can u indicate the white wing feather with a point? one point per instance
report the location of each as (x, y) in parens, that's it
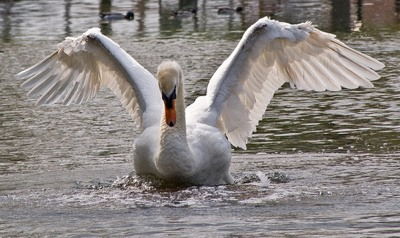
(269, 54)
(76, 71)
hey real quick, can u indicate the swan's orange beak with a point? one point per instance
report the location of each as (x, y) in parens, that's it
(170, 114)
(169, 106)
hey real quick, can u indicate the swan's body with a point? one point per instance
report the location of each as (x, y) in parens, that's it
(201, 158)
(186, 151)
(192, 145)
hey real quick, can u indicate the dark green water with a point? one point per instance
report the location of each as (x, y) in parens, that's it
(63, 170)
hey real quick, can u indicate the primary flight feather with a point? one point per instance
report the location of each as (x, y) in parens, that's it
(192, 145)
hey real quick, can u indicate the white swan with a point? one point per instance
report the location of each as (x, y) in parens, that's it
(194, 149)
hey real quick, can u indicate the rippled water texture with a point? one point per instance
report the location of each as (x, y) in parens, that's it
(320, 164)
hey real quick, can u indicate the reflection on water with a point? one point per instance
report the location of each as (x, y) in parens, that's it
(380, 13)
(157, 18)
(5, 12)
(67, 17)
(320, 164)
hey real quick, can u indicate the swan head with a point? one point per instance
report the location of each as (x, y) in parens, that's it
(169, 75)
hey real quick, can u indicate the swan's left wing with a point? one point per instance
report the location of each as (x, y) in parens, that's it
(269, 54)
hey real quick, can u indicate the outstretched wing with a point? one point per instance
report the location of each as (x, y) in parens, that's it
(271, 53)
(81, 66)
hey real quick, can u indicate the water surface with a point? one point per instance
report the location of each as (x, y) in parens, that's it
(320, 164)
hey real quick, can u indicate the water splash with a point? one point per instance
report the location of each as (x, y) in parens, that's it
(264, 180)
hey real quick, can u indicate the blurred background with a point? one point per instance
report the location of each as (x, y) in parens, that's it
(59, 18)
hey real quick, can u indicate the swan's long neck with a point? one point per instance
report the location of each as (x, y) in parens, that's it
(175, 159)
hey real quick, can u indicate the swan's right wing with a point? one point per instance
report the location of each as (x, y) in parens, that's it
(75, 72)
(269, 54)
